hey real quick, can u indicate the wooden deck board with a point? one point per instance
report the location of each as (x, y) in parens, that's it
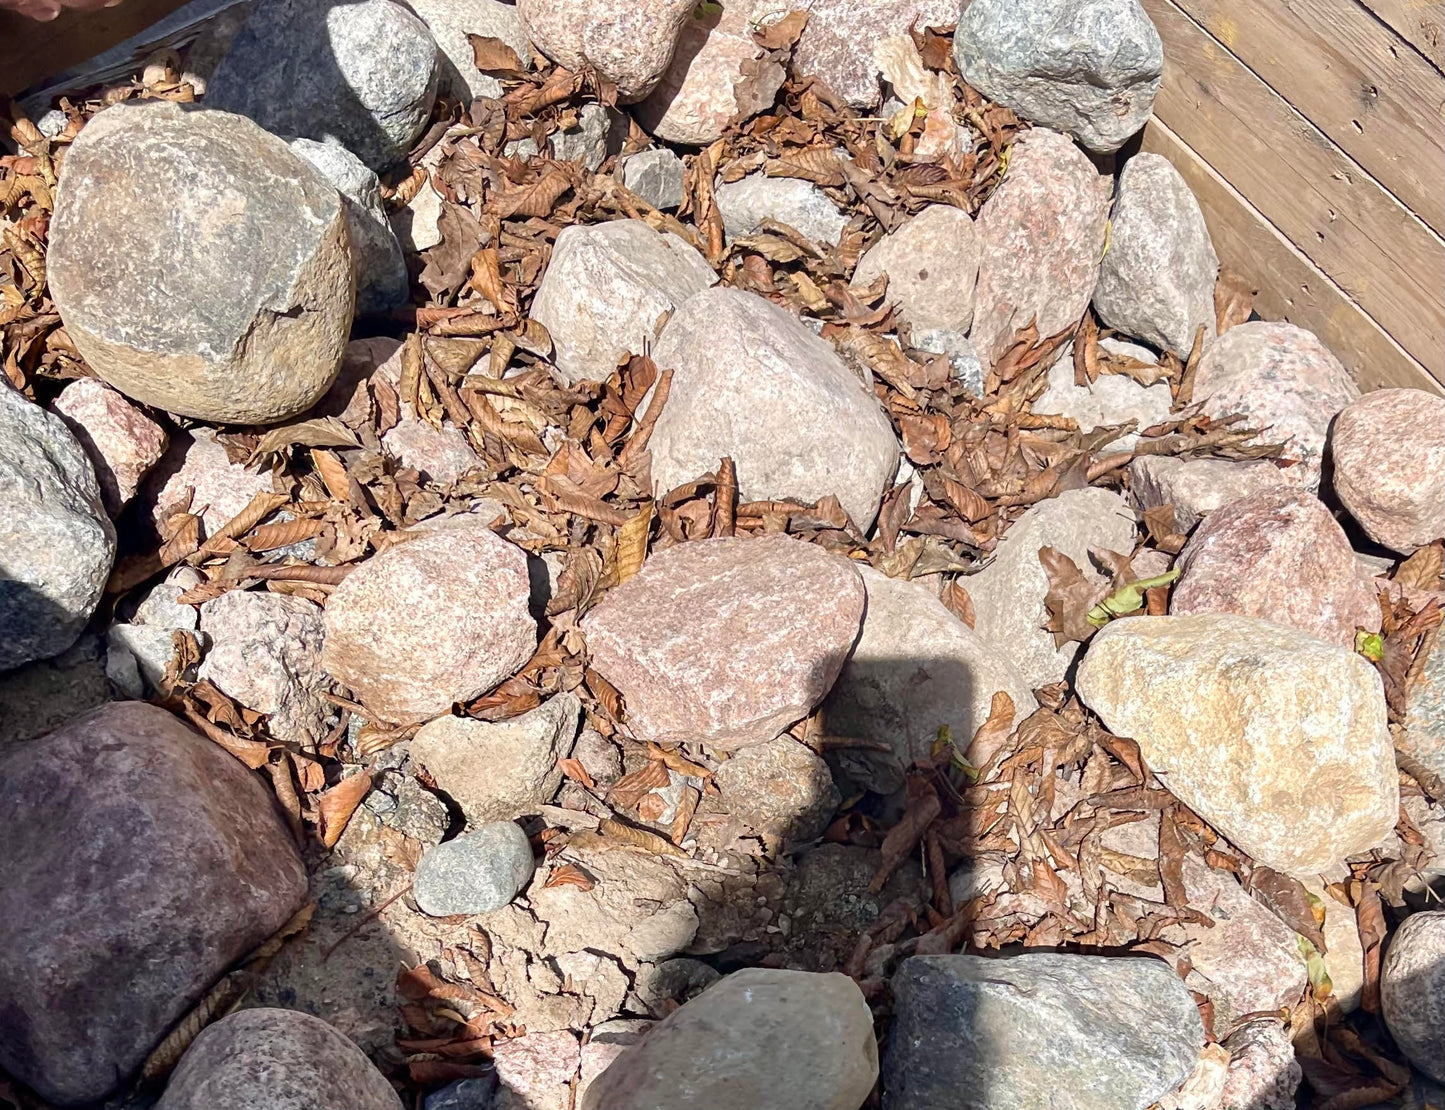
(1421, 23)
(1384, 257)
(1289, 286)
(1382, 105)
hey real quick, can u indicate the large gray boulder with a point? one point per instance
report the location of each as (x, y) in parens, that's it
(759, 1039)
(275, 1060)
(141, 861)
(363, 74)
(381, 278)
(1088, 67)
(753, 384)
(1157, 279)
(56, 542)
(1060, 1030)
(156, 208)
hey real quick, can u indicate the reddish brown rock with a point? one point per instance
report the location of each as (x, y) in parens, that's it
(727, 641)
(1389, 452)
(837, 44)
(1282, 379)
(1278, 555)
(140, 862)
(431, 622)
(1041, 236)
(123, 443)
(276, 1060)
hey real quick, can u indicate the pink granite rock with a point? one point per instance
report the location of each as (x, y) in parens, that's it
(123, 443)
(1279, 555)
(727, 641)
(534, 1071)
(837, 44)
(629, 42)
(780, 790)
(1263, 1072)
(1041, 236)
(1282, 379)
(431, 622)
(268, 1059)
(717, 74)
(141, 860)
(1197, 487)
(932, 265)
(1389, 453)
(265, 651)
(1248, 961)
(198, 462)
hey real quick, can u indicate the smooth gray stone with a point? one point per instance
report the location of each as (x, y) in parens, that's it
(56, 542)
(1088, 67)
(477, 872)
(1412, 991)
(363, 74)
(656, 176)
(1043, 1029)
(380, 267)
(464, 1094)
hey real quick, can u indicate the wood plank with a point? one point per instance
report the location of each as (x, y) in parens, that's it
(1290, 286)
(31, 51)
(1420, 22)
(1346, 72)
(1388, 260)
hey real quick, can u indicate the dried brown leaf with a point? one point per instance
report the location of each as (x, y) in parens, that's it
(492, 55)
(994, 732)
(781, 34)
(632, 543)
(336, 805)
(922, 810)
(630, 837)
(959, 603)
(569, 874)
(321, 431)
(1070, 597)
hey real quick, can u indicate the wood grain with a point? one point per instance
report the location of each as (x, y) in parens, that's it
(1421, 23)
(1384, 257)
(1345, 71)
(1289, 286)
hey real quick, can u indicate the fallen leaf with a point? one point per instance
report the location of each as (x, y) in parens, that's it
(569, 874)
(956, 599)
(321, 431)
(782, 33)
(994, 732)
(492, 55)
(574, 770)
(1070, 598)
(922, 810)
(632, 543)
(1287, 898)
(449, 263)
(336, 805)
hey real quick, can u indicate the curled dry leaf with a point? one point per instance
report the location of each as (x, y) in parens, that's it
(321, 431)
(616, 834)
(336, 805)
(569, 874)
(959, 603)
(574, 770)
(492, 55)
(1070, 598)
(632, 543)
(923, 809)
(994, 732)
(783, 33)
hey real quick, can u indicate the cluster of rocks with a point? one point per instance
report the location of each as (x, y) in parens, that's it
(143, 861)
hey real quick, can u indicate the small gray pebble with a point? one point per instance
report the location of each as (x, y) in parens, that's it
(478, 872)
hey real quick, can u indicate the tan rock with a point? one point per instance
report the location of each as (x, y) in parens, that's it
(780, 790)
(759, 1039)
(629, 42)
(717, 74)
(431, 622)
(1263, 1071)
(534, 1071)
(156, 205)
(932, 265)
(726, 641)
(123, 443)
(1197, 487)
(1389, 454)
(1282, 379)
(498, 771)
(1280, 556)
(1274, 737)
(1041, 236)
(608, 291)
